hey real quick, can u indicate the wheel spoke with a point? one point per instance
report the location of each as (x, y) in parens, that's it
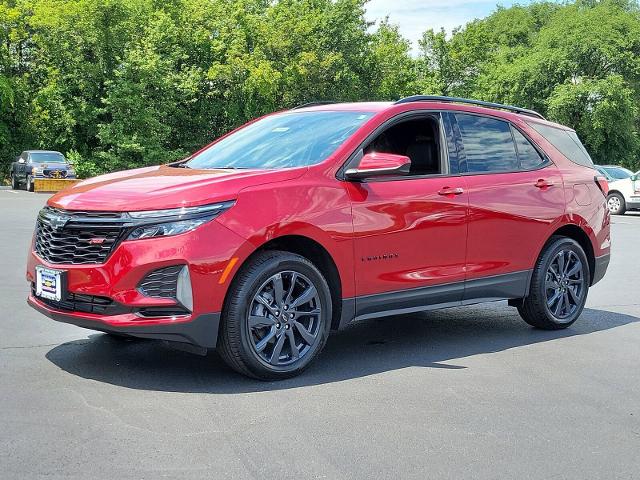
(257, 321)
(301, 313)
(260, 299)
(577, 267)
(554, 298)
(559, 305)
(551, 285)
(267, 338)
(277, 349)
(305, 334)
(561, 266)
(295, 354)
(305, 297)
(567, 303)
(574, 296)
(294, 279)
(278, 288)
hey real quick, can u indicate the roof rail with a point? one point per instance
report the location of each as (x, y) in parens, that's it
(313, 104)
(438, 98)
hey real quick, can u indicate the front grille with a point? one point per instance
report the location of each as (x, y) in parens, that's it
(54, 173)
(75, 239)
(76, 302)
(161, 283)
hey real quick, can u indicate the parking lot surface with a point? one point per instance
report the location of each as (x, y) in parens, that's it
(461, 393)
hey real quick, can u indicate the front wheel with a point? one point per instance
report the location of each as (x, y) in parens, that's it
(276, 316)
(14, 182)
(559, 286)
(616, 204)
(29, 183)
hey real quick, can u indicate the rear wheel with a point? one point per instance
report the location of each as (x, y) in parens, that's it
(616, 204)
(559, 286)
(276, 318)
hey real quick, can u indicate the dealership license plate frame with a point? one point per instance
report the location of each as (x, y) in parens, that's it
(50, 283)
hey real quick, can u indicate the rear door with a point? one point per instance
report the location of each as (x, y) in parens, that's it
(515, 196)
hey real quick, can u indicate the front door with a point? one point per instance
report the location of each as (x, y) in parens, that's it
(410, 232)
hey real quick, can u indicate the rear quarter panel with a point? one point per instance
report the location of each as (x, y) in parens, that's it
(585, 203)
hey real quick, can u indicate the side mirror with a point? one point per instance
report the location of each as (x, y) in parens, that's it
(378, 164)
(20, 160)
(634, 178)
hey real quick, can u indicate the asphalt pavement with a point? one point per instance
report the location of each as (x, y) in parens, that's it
(464, 393)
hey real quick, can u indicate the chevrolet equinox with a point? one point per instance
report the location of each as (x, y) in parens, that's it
(305, 220)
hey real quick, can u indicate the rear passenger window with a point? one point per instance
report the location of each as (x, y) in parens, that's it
(566, 141)
(488, 145)
(529, 157)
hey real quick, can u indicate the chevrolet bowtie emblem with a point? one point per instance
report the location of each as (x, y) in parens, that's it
(57, 222)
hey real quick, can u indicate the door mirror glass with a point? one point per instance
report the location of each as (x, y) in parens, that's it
(378, 164)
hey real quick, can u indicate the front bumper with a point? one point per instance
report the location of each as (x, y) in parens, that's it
(633, 203)
(200, 331)
(208, 252)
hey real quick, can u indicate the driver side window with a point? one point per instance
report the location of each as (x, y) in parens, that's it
(418, 139)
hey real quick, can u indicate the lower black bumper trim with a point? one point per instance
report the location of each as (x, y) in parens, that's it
(202, 331)
(600, 268)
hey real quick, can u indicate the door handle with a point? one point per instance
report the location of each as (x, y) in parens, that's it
(542, 183)
(449, 192)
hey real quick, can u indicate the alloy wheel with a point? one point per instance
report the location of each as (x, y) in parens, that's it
(565, 284)
(284, 319)
(613, 204)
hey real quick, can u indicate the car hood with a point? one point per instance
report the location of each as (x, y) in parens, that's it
(52, 166)
(155, 188)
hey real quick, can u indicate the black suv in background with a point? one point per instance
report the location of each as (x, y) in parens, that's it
(32, 164)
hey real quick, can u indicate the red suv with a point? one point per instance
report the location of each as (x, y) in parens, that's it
(305, 220)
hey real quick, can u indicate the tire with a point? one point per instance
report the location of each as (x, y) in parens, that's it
(251, 340)
(540, 309)
(616, 204)
(15, 185)
(29, 183)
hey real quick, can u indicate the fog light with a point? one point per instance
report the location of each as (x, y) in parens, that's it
(184, 293)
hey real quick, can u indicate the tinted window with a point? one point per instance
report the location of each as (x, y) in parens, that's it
(47, 157)
(291, 139)
(417, 139)
(566, 141)
(618, 173)
(527, 154)
(488, 145)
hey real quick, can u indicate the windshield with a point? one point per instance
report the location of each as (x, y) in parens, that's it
(47, 157)
(292, 139)
(619, 173)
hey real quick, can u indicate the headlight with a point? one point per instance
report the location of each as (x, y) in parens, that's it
(154, 223)
(36, 170)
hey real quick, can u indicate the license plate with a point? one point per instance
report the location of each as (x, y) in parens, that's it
(49, 283)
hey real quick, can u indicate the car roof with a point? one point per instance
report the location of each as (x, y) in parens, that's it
(43, 151)
(450, 105)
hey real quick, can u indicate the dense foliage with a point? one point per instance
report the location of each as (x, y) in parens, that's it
(122, 83)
